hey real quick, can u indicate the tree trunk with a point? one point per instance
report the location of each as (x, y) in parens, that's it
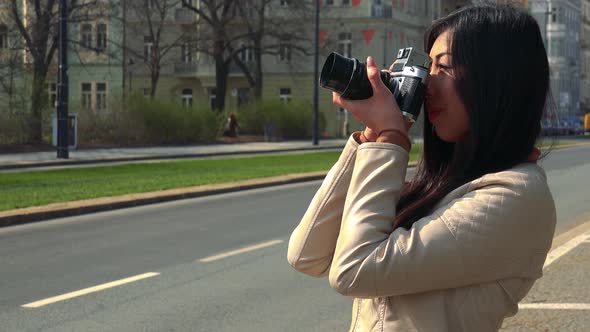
(155, 77)
(38, 103)
(258, 69)
(221, 70)
(155, 72)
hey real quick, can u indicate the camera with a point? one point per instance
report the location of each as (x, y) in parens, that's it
(407, 80)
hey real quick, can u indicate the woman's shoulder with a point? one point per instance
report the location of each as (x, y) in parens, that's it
(525, 176)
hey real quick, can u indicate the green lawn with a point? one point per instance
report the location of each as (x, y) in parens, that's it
(35, 188)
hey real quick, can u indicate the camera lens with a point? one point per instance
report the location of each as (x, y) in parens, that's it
(337, 73)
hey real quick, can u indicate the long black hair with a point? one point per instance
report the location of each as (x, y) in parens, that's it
(502, 77)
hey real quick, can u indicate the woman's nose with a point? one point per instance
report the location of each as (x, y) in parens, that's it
(430, 87)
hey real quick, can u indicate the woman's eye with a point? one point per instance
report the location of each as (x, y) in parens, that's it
(444, 67)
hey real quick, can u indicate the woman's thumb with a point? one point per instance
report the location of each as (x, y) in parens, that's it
(373, 74)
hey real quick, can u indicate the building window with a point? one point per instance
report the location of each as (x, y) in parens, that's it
(101, 96)
(3, 36)
(243, 96)
(86, 35)
(284, 52)
(187, 97)
(86, 96)
(148, 48)
(185, 53)
(151, 4)
(345, 43)
(101, 36)
(329, 2)
(345, 3)
(284, 3)
(212, 97)
(246, 53)
(93, 96)
(52, 95)
(412, 7)
(285, 95)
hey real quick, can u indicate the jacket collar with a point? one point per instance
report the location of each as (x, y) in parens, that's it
(534, 155)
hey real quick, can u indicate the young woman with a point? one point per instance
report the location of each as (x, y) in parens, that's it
(457, 247)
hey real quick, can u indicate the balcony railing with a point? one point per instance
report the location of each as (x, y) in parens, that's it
(185, 15)
(236, 70)
(186, 69)
(381, 11)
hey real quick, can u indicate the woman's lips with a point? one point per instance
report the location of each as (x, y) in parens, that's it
(433, 113)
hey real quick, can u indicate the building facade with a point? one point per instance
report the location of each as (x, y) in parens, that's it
(356, 28)
(560, 23)
(94, 56)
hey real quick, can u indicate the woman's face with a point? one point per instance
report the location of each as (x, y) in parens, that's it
(446, 110)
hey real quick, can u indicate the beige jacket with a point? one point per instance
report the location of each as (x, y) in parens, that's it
(464, 267)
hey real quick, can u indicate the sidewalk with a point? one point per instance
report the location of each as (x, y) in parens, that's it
(95, 156)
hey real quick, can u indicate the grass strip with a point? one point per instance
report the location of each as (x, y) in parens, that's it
(36, 188)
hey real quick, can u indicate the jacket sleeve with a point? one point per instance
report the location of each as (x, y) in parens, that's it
(482, 236)
(312, 243)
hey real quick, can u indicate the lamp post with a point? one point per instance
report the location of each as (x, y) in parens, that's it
(62, 84)
(316, 75)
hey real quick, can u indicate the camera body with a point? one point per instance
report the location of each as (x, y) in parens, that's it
(407, 81)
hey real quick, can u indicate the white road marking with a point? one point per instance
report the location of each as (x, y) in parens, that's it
(553, 306)
(239, 251)
(89, 290)
(565, 248)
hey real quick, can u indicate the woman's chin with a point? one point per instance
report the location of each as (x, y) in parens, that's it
(447, 136)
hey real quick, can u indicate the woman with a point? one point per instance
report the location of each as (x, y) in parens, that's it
(459, 246)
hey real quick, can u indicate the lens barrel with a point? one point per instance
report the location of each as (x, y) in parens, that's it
(348, 77)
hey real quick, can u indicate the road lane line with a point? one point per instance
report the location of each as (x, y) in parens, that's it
(553, 306)
(89, 290)
(565, 248)
(239, 251)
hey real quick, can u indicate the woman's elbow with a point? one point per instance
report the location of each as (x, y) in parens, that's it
(340, 281)
(347, 282)
(317, 268)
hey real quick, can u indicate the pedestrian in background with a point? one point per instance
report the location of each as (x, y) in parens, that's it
(457, 247)
(231, 128)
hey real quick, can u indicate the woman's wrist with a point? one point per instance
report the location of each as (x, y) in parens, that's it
(360, 138)
(395, 136)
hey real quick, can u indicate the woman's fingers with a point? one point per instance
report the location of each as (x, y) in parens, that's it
(374, 75)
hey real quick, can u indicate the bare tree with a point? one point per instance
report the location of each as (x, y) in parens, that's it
(10, 65)
(149, 21)
(285, 33)
(38, 27)
(218, 38)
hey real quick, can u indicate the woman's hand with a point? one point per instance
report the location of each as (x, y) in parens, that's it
(378, 112)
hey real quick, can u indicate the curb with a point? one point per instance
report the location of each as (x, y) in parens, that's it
(72, 162)
(87, 206)
(69, 209)
(75, 208)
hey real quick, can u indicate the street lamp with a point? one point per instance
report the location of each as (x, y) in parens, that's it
(316, 75)
(62, 84)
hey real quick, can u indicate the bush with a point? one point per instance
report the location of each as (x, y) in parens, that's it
(143, 121)
(13, 128)
(276, 119)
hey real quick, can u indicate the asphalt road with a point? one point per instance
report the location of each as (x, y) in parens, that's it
(193, 289)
